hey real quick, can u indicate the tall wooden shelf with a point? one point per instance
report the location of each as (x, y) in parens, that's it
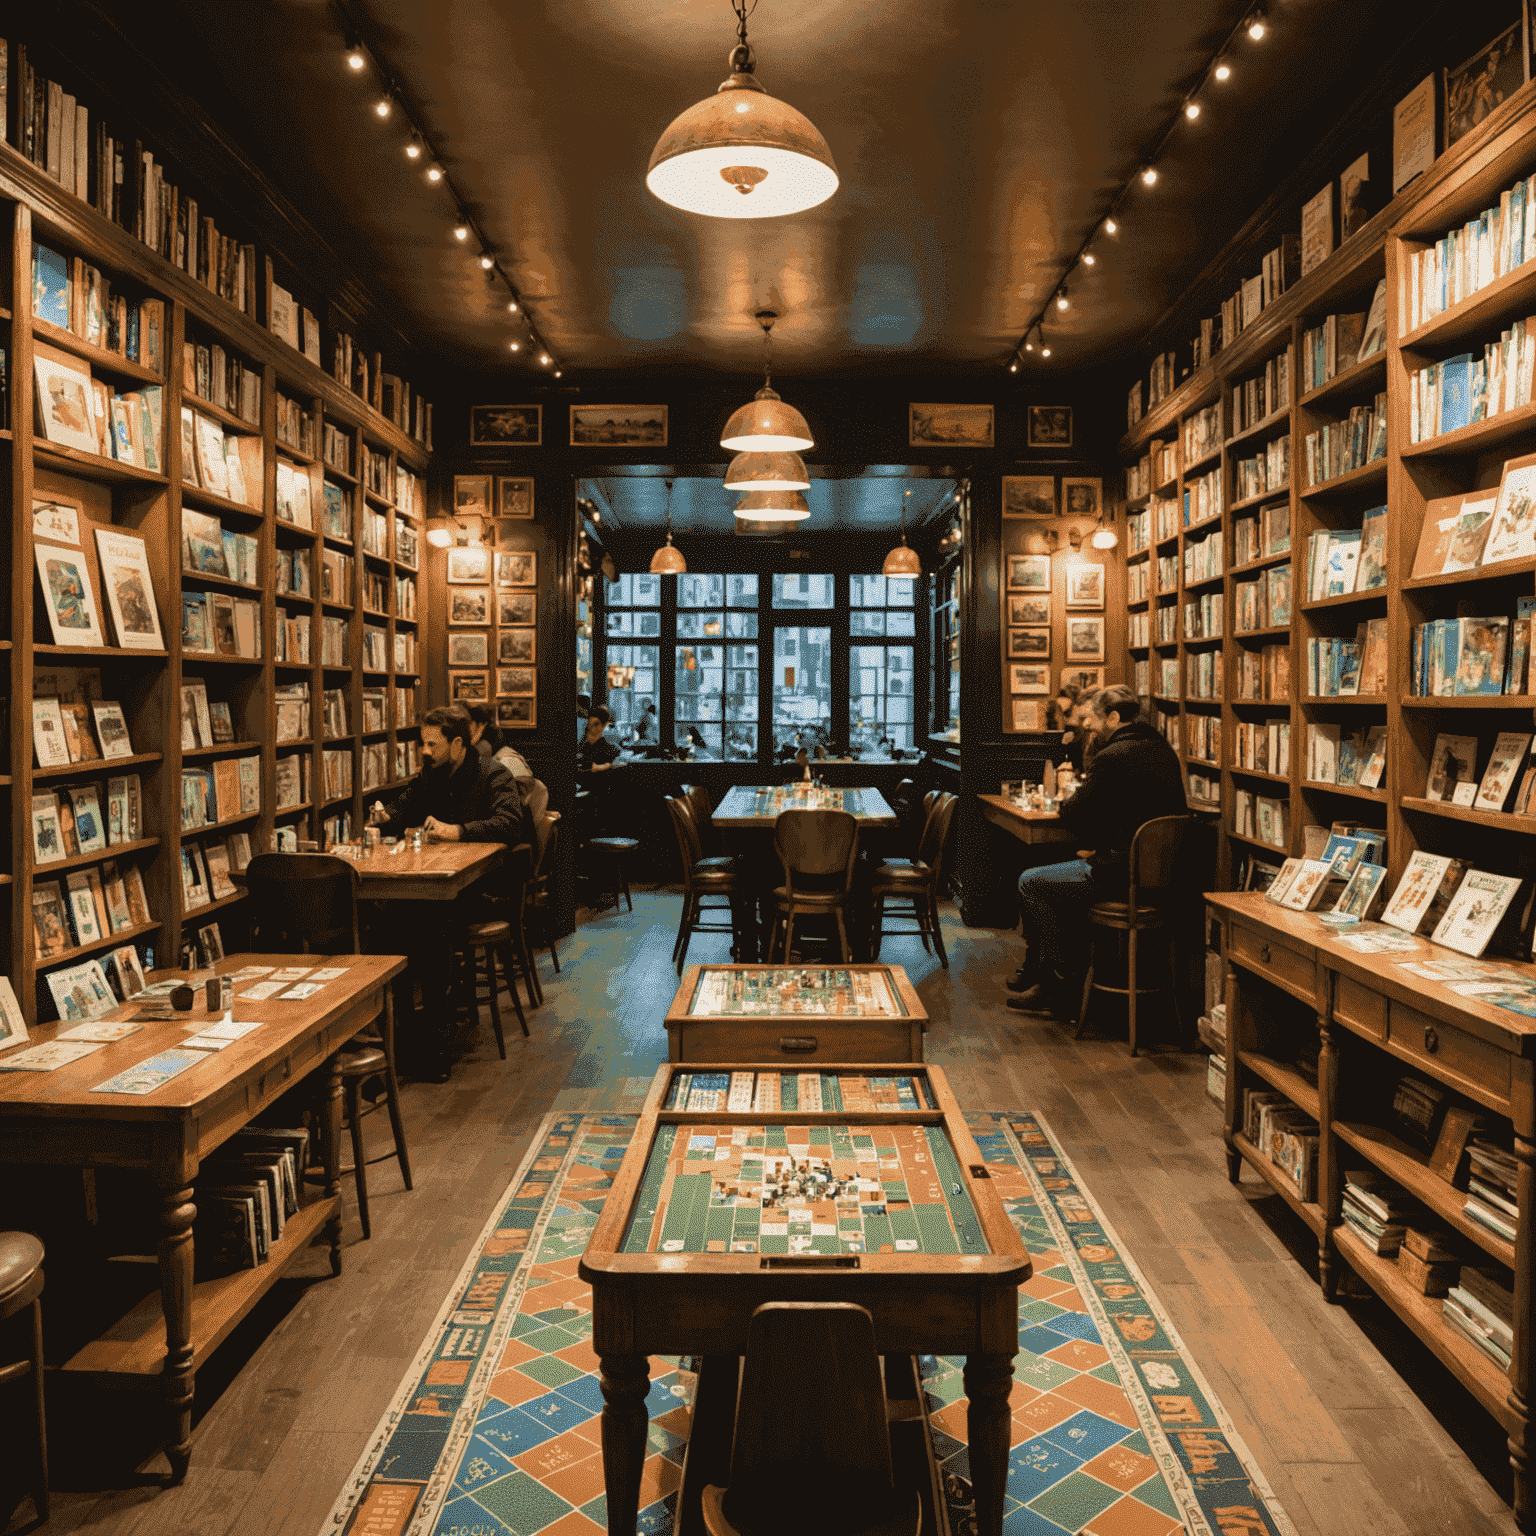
(148, 684)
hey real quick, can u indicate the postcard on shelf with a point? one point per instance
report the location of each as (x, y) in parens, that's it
(1510, 749)
(13, 1027)
(48, 1057)
(1414, 136)
(57, 521)
(1360, 896)
(82, 991)
(1421, 880)
(1513, 535)
(152, 1074)
(68, 596)
(1284, 880)
(65, 402)
(129, 590)
(1307, 888)
(1452, 762)
(49, 742)
(1476, 909)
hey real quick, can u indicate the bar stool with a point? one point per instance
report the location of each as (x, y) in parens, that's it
(916, 881)
(21, 1284)
(483, 945)
(536, 892)
(614, 851)
(702, 877)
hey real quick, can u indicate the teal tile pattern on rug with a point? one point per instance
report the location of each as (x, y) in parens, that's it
(498, 1431)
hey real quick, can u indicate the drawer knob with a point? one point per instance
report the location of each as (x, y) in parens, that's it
(1431, 1039)
(1264, 954)
(798, 1044)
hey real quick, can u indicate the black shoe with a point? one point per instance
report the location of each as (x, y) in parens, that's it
(1035, 1000)
(1022, 981)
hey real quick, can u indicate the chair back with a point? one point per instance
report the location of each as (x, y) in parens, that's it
(546, 837)
(938, 833)
(688, 845)
(703, 818)
(817, 847)
(1154, 860)
(536, 800)
(304, 903)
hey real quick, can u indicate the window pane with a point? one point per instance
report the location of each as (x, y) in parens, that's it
(633, 592)
(620, 624)
(802, 680)
(802, 591)
(866, 623)
(700, 591)
(880, 680)
(741, 592)
(629, 694)
(900, 592)
(866, 591)
(895, 623)
(741, 626)
(700, 626)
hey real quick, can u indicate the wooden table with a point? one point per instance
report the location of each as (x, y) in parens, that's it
(1032, 827)
(757, 806)
(433, 872)
(887, 1026)
(54, 1118)
(691, 1302)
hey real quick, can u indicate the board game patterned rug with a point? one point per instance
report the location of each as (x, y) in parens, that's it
(495, 1429)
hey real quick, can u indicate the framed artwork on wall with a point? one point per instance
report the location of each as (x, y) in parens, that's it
(1028, 679)
(506, 426)
(517, 607)
(469, 565)
(1085, 586)
(1026, 715)
(1030, 643)
(472, 495)
(516, 647)
(1029, 608)
(949, 426)
(517, 568)
(468, 687)
(1081, 497)
(1085, 638)
(514, 682)
(520, 714)
(1085, 678)
(469, 650)
(469, 605)
(1029, 495)
(514, 496)
(1475, 88)
(1029, 573)
(618, 426)
(1049, 426)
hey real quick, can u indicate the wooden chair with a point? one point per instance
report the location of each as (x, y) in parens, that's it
(818, 851)
(21, 1285)
(697, 797)
(484, 946)
(612, 852)
(811, 1452)
(1154, 883)
(309, 900)
(917, 881)
(702, 877)
(536, 892)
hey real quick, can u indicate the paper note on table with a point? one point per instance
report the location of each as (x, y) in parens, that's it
(152, 1074)
(163, 988)
(217, 1036)
(263, 990)
(302, 990)
(291, 973)
(328, 973)
(1377, 942)
(49, 1056)
(246, 972)
(104, 1033)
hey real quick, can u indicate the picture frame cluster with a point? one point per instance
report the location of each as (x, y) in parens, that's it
(493, 617)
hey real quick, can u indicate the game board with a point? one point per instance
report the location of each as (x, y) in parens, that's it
(785, 991)
(756, 1093)
(808, 1189)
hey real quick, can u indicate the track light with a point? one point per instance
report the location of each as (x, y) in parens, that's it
(514, 345)
(1191, 110)
(413, 149)
(1223, 71)
(1256, 25)
(1045, 351)
(1062, 301)
(1089, 258)
(356, 58)
(383, 107)
(487, 261)
(461, 231)
(1111, 227)
(1149, 175)
(512, 307)
(434, 173)
(544, 359)
(1029, 346)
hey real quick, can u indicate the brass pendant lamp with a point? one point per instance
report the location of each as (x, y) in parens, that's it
(767, 424)
(902, 560)
(773, 507)
(740, 154)
(668, 560)
(767, 472)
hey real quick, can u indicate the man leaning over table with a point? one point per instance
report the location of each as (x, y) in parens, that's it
(460, 796)
(1131, 775)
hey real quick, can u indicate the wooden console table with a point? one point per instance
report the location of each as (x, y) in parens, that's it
(1290, 977)
(55, 1118)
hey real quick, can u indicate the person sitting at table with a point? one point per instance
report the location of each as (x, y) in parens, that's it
(597, 754)
(484, 734)
(1063, 712)
(647, 732)
(1131, 775)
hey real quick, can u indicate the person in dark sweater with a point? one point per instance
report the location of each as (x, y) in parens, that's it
(1131, 775)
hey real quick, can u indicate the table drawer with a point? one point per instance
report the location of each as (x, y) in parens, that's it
(1360, 1008)
(791, 1040)
(1268, 956)
(1472, 1066)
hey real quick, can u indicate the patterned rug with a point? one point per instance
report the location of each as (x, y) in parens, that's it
(495, 1428)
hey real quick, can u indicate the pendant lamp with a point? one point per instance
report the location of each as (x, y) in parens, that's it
(440, 531)
(767, 472)
(668, 560)
(902, 561)
(773, 507)
(740, 154)
(767, 425)
(1104, 537)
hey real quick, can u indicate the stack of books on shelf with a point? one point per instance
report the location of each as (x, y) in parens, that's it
(405, 597)
(205, 722)
(1168, 677)
(1474, 655)
(1167, 722)
(1267, 470)
(1286, 1135)
(335, 511)
(1202, 617)
(1348, 758)
(1342, 342)
(86, 907)
(208, 868)
(407, 759)
(376, 476)
(405, 542)
(290, 639)
(375, 765)
(77, 411)
(375, 591)
(1202, 498)
(336, 577)
(1162, 378)
(375, 533)
(1202, 559)
(1204, 788)
(1265, 601)
(336, 828)
(373, 709)
(1141, 678)
(1264, 674)
(1340, 668)
(333, 641)
(1267, 532)
(375, 648)
(1139, 633)
(336, 767)
(410, 492)
(1468, 259)
(1507, 780)
(1347, 560)
(295, 425)
(222, 379)
(69, 293)
(1204, 738)
(292, 702)
(1493, 1199)
(291, 322)
(1481, 1307)
(1256, 399)
(1134, 411)
(1165, 517)
(405, 651)
(296, 494)
(244, 1196)
(1377, 1210)
(1337, 447)
(1138, 478)
(1167, 572)
(292, 780)
(1202, 676)
(61, 728)
(1167, 623)
(337, 715)
(225, 791)
(1262, 746)
(1137, 577)
(209, 549)
(1202, 433)
(221, 624)
(293, 568)
(336, 447)
(1430, 1259)
(1264, 817)
(227, 464)
(68, 823)
(1280, 269)
(1481, 528)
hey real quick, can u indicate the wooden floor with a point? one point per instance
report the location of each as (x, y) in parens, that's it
(286, 1408)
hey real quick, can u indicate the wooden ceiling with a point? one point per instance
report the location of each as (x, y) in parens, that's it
(977, 141)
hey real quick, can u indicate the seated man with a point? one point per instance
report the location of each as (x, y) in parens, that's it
(596, 753)
(1131, 775)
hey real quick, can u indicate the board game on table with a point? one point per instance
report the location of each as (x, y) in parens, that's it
(759, 805)
(868, 1190)
(725, 1013)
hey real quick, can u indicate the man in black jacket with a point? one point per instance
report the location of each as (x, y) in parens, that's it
(1131, 776)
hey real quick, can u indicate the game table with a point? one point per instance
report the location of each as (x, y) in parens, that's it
(745, 1184)
(809, 1012)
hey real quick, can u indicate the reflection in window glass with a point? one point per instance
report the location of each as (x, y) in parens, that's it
(716, 700)
(802, 684)
(802, 591)
(633, 592)
(881, 683)
(695, 591)
(633, 685)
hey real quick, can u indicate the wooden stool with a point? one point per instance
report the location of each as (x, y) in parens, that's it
(21, 1283)
(485, 943)
(617, 849)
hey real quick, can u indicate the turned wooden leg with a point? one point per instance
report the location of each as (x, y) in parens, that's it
(330, 1112)
(626, 1381)
(177, 1214)
(988, 1381)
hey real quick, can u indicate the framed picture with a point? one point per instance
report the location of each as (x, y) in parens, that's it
(65, 404)
(1087, 679)
(1050, 426)
(1489, 77)
(68, 594)
(1032, 608)
(1028, 679)
(516, 647)
(1081, 498)
(506, 426)
(517, 568)
(1029, 495)
(1355, 196)
(57, 520)
(1085, 586)
(469, 650)
(468, 687)
(517, 607)
(949, 426)
(1029, 643)
(520, 714)
(1026, 715)
(469, 605)
(1085, 638)
(472, 495)
(514, 496)
(618, 426)
(1029, 573)
(470, 564)
(514, 682)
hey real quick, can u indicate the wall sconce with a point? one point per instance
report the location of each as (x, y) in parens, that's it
(1075, 539)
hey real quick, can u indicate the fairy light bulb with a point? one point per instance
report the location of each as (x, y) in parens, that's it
(486, 262)
(355, 59)
(1111, 227)
(1191, 110)
(1149, 176)
(1223, 71)
(461, 232)
(382, 107)
(1089, 258)
(413, 150)
(512, 307)
(434, 173)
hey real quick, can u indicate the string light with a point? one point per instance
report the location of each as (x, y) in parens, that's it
(413, 149)
(355, 58)
(1111, 227)
(1013, 367)
(1223, 71)
(544, 358)
(487, 261)
(1089, 258)
(1061, 298)
(1149, 175)
(1256, 25)
(1191, 110)
(382, 107)
(461, 231)
(434, 173)
(1029, 346)
(514, 345)
(512, 307)
(1045, 351)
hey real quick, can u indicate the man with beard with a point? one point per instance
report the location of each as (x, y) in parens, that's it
(1130, 775)
(460, 796)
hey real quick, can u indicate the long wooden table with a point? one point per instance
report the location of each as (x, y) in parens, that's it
(684, 1300)
(758, 806)
(54, 1118)
(433, 872)
(1032, 827)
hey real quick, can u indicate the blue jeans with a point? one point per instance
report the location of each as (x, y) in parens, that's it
(1053, 903)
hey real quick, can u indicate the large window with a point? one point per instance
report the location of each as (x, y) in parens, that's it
(633, 682)
(882, 652)
(715, 673)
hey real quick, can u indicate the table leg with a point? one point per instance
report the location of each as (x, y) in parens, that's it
(177, 1213)
(626, 1382)
(988, 1381)
(330, 1111)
